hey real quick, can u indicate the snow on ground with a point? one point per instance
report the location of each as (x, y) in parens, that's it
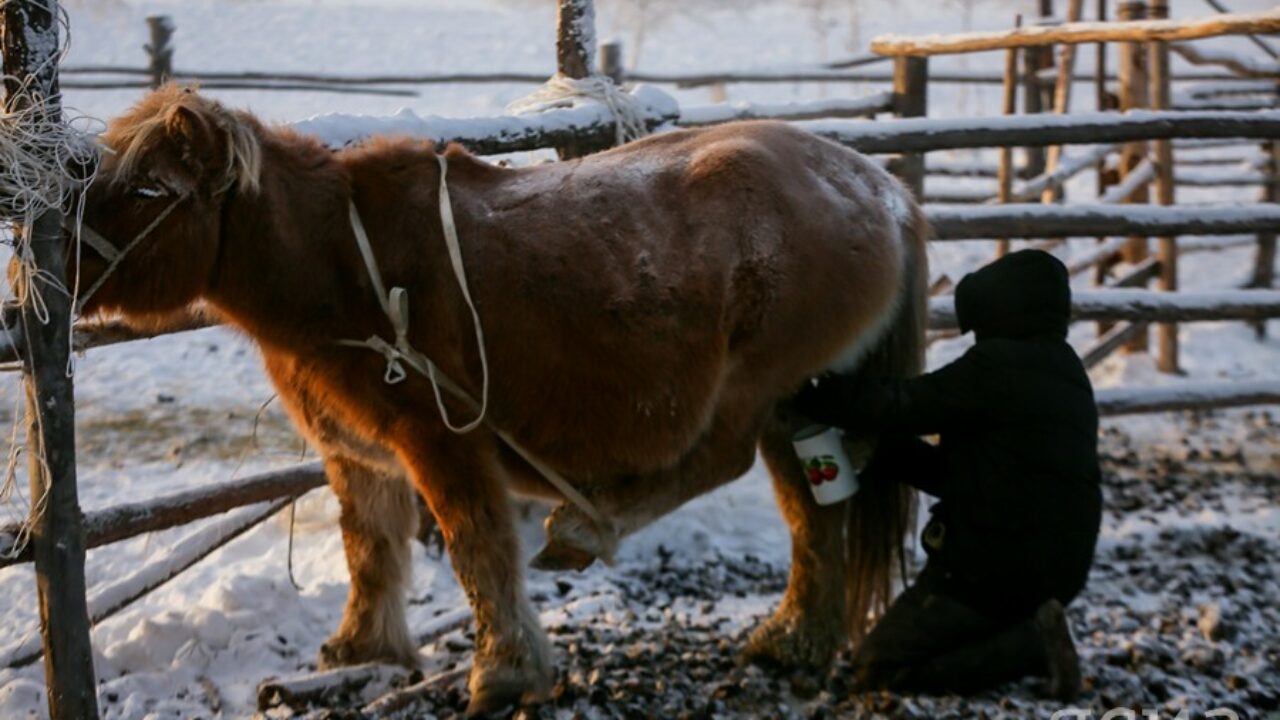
(162, 415)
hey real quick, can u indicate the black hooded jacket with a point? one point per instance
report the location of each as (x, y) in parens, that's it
(1016, 468)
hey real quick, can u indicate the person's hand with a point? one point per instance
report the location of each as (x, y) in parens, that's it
(860, 449)
(826, 399)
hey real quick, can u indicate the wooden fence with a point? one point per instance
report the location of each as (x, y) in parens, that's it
(60, 534)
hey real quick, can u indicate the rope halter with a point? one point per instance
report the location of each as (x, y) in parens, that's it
(395, 304)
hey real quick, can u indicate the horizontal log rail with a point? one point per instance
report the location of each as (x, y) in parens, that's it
(1030, 220)
(1186, 396)
(1033, 220)
(1267, 21)
(122, 522)
(927, 134)
(113, 596)
(869, 105)
(497, 135)
(1110, 341)
(1147, 306)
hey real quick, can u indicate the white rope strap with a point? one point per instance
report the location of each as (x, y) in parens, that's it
(562, 90)
(396, 305)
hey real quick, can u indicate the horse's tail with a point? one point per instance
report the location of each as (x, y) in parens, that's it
(881, 516)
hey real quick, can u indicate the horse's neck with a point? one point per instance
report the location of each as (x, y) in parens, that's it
(285, 273)
(291, 272)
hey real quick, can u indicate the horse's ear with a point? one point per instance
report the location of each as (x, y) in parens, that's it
(200, 144)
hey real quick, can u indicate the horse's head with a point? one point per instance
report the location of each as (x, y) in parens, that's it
(153, 218)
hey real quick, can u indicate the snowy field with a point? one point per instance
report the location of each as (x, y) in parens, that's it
(1192, 533)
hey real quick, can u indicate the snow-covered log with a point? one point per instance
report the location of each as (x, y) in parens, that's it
(1032, 220)
(1208, 178)
(833, 108)
(1080, 32)
(494, 135)
(327, 687)
(392, 704)
(1117, 337)
(926, 134)
(1147, 306)
(122, 522)
(318, 688)
(1186, 396)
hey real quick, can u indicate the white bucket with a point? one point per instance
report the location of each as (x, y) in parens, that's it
(831, 475)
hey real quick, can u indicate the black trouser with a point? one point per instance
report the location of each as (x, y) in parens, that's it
(930, 642)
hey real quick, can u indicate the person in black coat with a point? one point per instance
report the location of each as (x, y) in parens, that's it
(1011, 540)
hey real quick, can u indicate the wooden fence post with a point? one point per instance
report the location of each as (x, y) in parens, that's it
(611, 64)
(575, 54)
(160, 49)
(1034, 60)
(1264, 262)
(1009, 100)
(1167, 247)
(911, 99)
(31, 45)
(1133, 95)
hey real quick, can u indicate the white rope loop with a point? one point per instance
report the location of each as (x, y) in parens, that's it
(396, 306)
(563, 91)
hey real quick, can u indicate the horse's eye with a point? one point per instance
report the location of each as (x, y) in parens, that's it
(150, 191)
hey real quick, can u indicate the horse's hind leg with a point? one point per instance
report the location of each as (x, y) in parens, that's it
(458, 478)
(379, 516)
(809, 625)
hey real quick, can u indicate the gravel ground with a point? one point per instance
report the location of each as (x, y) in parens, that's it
(1180, 612)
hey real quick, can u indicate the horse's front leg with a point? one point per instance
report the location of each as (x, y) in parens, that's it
(457, 476)
(379, 516)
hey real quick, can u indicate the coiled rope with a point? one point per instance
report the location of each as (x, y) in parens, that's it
(563, 91)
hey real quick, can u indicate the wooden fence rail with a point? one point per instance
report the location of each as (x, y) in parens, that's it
(1147, 306)
(103, 527)
(1033, 220)
(1081, 32)
(929, 134)
(1186, 396)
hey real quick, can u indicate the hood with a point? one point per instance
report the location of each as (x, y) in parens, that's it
(1022, 294)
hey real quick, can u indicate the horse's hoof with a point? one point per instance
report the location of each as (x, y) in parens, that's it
(559, 556)
(339, 652)
(789, 644)
(499, 690)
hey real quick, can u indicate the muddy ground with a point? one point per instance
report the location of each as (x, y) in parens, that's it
(1181, 612)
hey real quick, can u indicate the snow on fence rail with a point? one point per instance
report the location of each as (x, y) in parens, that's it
(833, 108)
(1186, 396)
(1034, 220)
(495, 135)
(1074, 33)
(1146, 306)
(928, 134)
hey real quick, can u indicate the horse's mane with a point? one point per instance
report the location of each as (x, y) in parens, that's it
(137, 132)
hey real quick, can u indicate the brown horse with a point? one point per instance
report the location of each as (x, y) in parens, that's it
(646, 313)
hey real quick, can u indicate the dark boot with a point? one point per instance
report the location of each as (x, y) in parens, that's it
(1059, 650)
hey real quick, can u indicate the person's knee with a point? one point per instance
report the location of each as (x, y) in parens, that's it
(874, 669)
